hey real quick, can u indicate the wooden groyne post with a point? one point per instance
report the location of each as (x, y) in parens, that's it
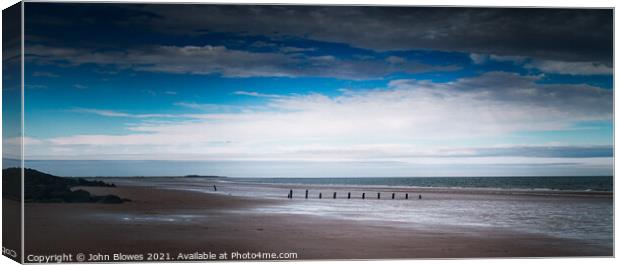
(335, 195)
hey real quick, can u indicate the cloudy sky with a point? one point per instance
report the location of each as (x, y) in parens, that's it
(435, 91)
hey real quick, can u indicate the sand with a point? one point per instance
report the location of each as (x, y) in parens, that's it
(171, 221)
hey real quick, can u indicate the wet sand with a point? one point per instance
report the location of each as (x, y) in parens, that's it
(173, 221)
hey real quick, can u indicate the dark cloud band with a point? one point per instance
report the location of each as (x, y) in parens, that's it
(584, 35)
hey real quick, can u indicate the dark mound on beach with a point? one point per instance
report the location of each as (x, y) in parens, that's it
(42, 187)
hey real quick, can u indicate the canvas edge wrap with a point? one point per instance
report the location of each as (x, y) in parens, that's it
(12, 124)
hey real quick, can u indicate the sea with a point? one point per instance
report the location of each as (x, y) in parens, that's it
(570, 183)
(285, 173)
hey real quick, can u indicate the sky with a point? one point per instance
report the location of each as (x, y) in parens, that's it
(436, 91)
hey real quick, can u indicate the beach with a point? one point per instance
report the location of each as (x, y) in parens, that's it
(186, 220)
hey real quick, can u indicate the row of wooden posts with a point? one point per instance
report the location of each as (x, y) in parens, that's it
(290, 195)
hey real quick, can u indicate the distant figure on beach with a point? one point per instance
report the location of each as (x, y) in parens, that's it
(306, 194)
(214, 188)
(290, 194)
(420, 197)
(320, 195)
(364, 195)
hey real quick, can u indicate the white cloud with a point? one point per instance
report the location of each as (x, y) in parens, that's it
(289, 49)
(571, 68)
(35, 86)
(478, 58)
(505, 58)
(207, 59)
(12, 146)
(256, 94)
(206, 107)
(44, 74)
(387, 123)
(110, 113)
(395, 60)
(547, 66)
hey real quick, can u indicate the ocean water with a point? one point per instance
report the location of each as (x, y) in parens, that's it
(592, 183)
(302, 169)
(584, 216)
(91, 168)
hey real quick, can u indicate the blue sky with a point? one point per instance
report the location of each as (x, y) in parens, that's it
(460, 88)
